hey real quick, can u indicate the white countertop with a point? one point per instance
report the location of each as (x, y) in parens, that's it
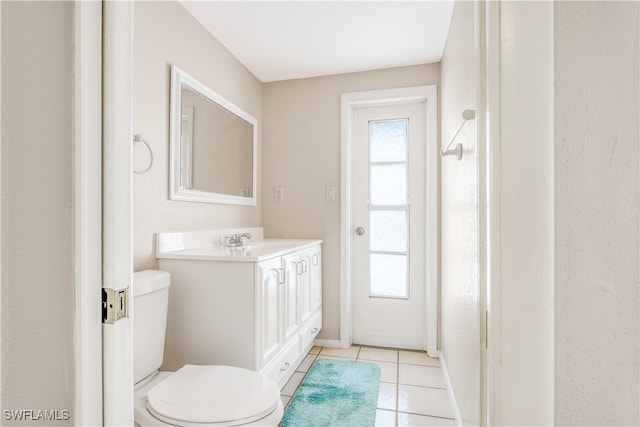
(251, 251)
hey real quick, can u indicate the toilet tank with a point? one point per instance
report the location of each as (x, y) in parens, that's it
(150, 301)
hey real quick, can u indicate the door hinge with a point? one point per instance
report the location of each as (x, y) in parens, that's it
(115, 304)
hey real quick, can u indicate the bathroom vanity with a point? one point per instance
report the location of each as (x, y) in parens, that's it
(255, 306)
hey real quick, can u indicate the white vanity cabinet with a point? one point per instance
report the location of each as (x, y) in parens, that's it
(256, 312)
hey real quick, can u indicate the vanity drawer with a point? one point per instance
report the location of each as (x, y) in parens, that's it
(310, 330)
(284, 364)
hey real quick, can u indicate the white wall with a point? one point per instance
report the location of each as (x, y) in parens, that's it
(37, 207)
(460, 330)
(597, 110)
(301, 134)
(165, 34)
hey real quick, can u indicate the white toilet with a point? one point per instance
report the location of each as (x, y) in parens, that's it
(193, 395)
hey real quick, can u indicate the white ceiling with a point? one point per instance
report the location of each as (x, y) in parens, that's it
(298, 39)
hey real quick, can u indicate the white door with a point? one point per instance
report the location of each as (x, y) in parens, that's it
(388, 226)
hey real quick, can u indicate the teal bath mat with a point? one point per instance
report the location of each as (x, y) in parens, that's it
(335, 393)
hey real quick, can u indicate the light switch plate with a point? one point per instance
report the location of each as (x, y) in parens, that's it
(278, 195)
(331, 193)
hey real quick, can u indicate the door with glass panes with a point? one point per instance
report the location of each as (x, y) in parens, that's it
(389, 226)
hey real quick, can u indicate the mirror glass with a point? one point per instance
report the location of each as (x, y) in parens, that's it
(213, 145)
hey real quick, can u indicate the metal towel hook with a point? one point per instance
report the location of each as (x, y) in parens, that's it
(138, 138)
(466, 115)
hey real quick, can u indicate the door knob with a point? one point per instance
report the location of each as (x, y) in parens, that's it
(360, 231)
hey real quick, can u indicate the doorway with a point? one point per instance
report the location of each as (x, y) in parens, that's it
(388, 212)
(362, 251)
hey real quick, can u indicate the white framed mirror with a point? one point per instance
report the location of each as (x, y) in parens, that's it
(213, 145)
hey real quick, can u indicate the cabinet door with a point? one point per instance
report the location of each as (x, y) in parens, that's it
(315, 278)
(269, 285)
(305, 291)
(290, 311)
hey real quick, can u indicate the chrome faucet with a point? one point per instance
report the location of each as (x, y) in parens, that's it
(235, 240)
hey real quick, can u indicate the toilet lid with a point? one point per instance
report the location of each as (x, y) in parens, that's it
(213, 395)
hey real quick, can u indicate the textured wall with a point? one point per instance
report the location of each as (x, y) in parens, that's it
(37, 207)
(460, 330)
(596, 209)
(301, 135)
(165, 34)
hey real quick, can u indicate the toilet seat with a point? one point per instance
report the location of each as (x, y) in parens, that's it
(213, 395)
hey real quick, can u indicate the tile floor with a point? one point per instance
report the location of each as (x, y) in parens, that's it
(412, 389)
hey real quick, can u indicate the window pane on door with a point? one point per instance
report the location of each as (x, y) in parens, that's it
(388, 231)
(388, 276)
(388, 185)
(388, 140)
(388, 215)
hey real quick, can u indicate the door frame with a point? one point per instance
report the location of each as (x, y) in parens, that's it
(349, 102)
(103, 353)
(87, 161)
(117, 258)
(490, 171)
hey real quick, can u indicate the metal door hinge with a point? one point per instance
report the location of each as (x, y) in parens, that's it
(115, 304)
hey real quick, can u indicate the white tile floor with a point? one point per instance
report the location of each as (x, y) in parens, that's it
(412, 389)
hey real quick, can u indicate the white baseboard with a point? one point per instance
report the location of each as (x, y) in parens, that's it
(452, 396)
(327, 343)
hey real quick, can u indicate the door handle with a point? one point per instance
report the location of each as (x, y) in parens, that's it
(360, 231)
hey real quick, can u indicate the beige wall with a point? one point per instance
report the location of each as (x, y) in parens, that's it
(597, 110)
(37, 207)
(165, 34)
(459, 326)
(301, 134)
